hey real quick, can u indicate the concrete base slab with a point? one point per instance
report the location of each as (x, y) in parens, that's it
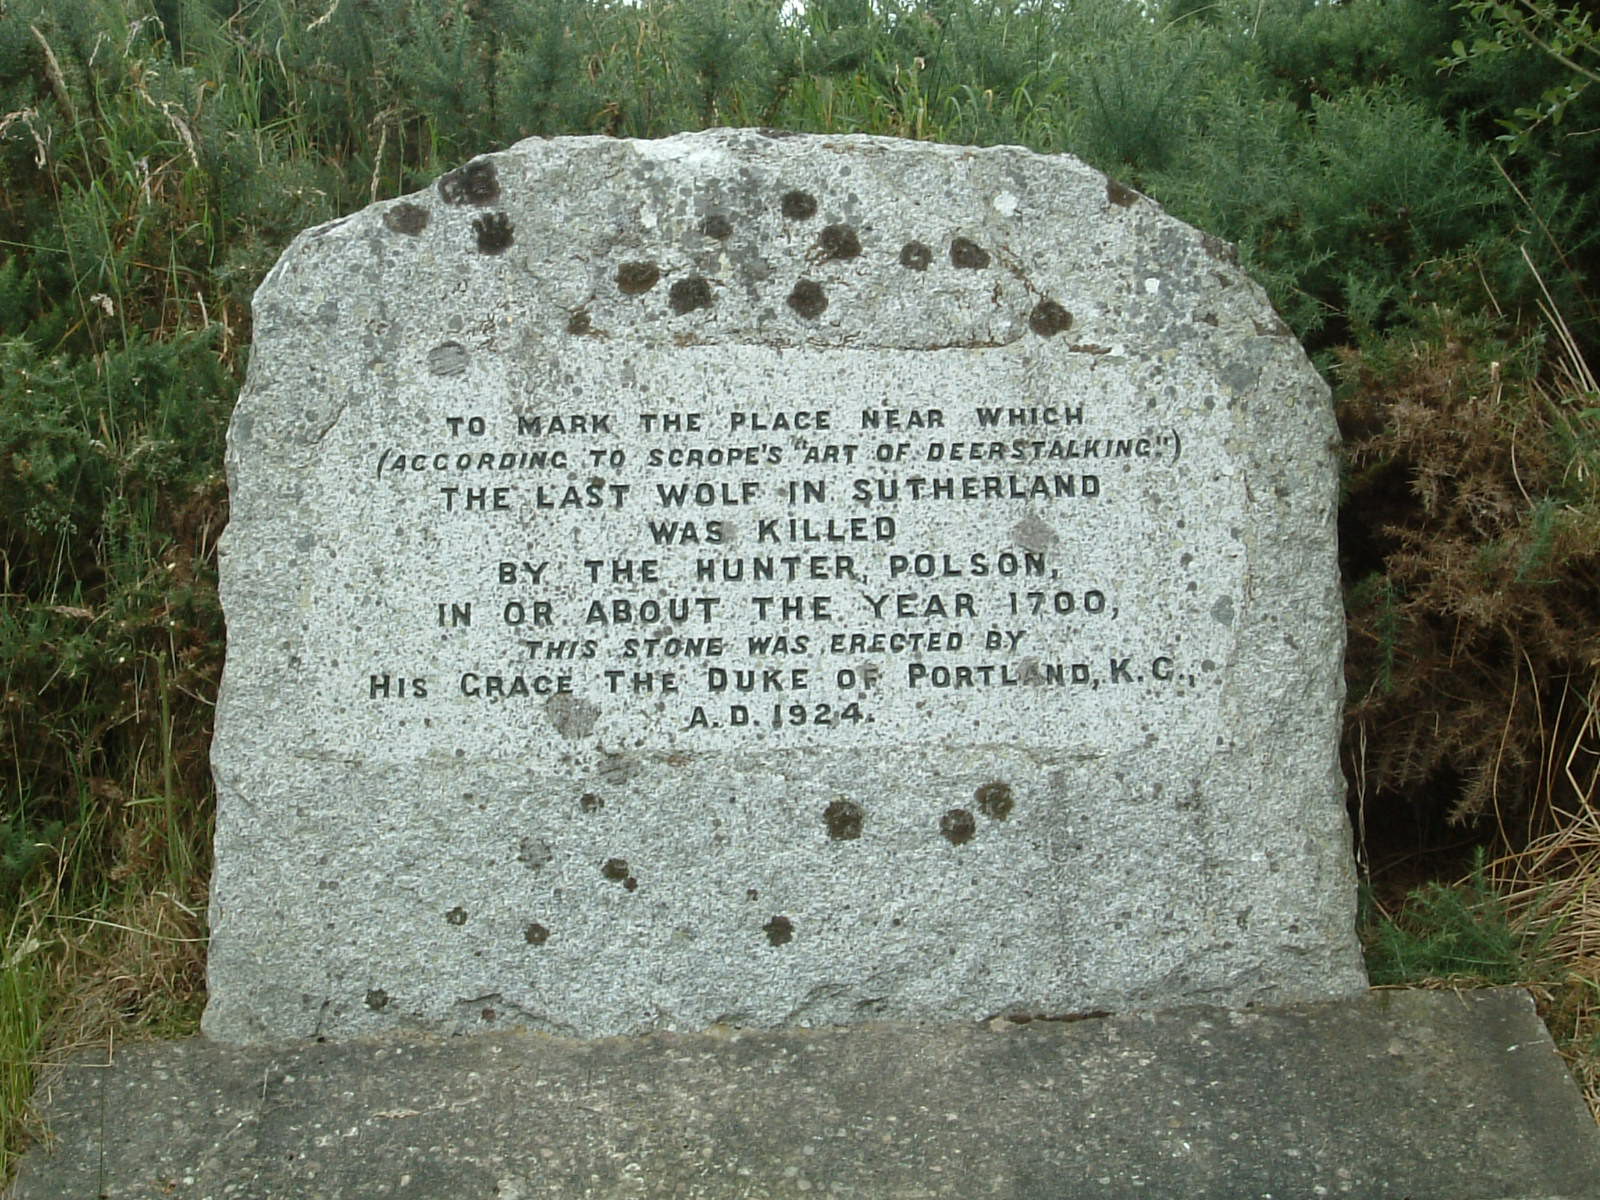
(1391, 1094)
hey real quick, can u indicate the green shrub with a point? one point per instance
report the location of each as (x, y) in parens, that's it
(1460, 933)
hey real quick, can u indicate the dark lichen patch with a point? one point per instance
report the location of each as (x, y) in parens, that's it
(717, 226)
(1120, 194)
(916, 256)
(409, 219)
(1220, 250)
(838, 241)
(589, 802)
(579, 323)
(968, 255)
(494, 233)
(957, 826)
(475, 183)
(995, 800)
(808, 299)
(616, 870)
(447, 358)
(1031, 533)
(487, 1014)
(636, 278)
(1048, 319)
(798, 205)
(377, 999)
(779, 931)
(572, 717)
(843, 819)
(751, 894)
(535, 934)
(686, 295)
(456, 916)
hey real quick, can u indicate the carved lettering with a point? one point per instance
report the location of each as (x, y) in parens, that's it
(782, 561)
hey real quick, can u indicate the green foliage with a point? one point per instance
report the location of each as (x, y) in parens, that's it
(23, 846)
(1134, 101)
(1548, 34)
(1455, 933)
(24, 986)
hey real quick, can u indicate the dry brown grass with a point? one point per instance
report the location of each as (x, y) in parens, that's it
(1552, 887)
(91, 976)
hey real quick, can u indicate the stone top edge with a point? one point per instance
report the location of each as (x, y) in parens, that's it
(681, 149)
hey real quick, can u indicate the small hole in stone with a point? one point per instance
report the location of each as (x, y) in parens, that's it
(751, 894)
(377, 999)
(409, 219)
(995, 800)
(1120, 194)
(779, 931)
(1049, 318)
(843, 819)
(838, 241)
(957, 826)
(798, 205)
(636, 278)
(494, 233)
(808, 299)
(456, 916)
(579, 323)
(535, 934)
(716, 225)
(589, 802)
(968, 255)
(630, 884)
(475, 183)
(916, 256)
(686, 295)
(615, 869)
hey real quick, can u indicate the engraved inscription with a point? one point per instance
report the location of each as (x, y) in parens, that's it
(901, 555)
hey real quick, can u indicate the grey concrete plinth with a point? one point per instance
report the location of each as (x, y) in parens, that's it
(1417, 1094)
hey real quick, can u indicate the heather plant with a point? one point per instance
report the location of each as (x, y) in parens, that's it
(1414, 184)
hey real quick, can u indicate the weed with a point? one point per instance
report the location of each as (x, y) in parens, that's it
(1460, 934)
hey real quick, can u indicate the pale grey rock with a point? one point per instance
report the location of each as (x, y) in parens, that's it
(635, 624)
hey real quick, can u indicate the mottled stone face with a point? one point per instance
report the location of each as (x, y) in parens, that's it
(773, 581)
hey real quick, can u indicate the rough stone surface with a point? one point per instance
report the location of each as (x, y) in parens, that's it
(1430, 1095)
(773, 581)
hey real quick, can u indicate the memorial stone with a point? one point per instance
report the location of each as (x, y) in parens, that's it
(773, 580)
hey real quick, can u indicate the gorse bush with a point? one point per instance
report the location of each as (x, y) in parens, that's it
(1414, 184)
(1474, 644)
(1465, 935)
